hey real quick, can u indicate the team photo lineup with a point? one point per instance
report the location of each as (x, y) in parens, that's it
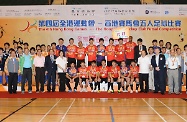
(131, 65)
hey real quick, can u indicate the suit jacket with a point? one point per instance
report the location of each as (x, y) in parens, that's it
(161, 62)
(136, 52)
(49, 65)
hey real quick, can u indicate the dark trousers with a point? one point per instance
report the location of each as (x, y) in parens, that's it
(144, 77)
(165, 78)
(71, 60)
(76, 83)
(12, 82)
(159, 80)
(62, 77)
(27, 74)
(109, 63)
(51, 78)
(40, 78)
(128, 62)
(79, 62)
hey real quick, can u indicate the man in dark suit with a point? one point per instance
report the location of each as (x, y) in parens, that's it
(51, 68)
(158, 62)
(138, 49)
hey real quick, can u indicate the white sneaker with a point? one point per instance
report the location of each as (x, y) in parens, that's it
(92, 90)
(125, 91)
(95, 91)
(85, 90)
(136, 91)
(131, 91)
(29, 92)
(81, 90)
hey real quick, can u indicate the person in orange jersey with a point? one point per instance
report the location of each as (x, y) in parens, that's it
(71, 51)
(91, 51)
(53, 47)
(102, 75)
(83, 77)
(44, 52)
(134, 70)
(93, 74)
(124, 70)
(120, 51)
(129, 49)
(110, 52)
(81, 52)
(114, 76)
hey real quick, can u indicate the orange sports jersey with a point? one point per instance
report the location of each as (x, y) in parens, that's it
(81, 52)
(45, 54)
(56, 52)
(134, 71)
(71, 51)
(91, 52)
(114, 71)
(120, 52)
(93, 71)
(129, 49)
(103, 71)
(110, 50)
(83, 72)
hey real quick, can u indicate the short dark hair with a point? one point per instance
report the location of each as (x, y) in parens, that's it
(19, 47)
(91, 39)
(82, 62)
(120, 39)
(140, 40)
(114, 61)
(104, 61)
(26, 43)
(60, 39)
(53, 43)
(150, 48)
(32, 48)
(111, 39)
(12, 51)
(185, 46)
(1, 48)
(163, 47)
(161, 41)
(51, 49)
(38, 45)
(15, 42)
(7, 44)
(101, 39)
(71, 39)
(169, 44)
(175, 45)
(94, 62)
(42, 45)
(39, 49)
(154, 41)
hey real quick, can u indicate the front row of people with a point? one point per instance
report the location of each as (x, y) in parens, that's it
(84, 76)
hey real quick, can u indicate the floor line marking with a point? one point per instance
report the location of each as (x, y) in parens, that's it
(50, 110)
(112, 115)
(63, 117)
(33, 99)
(154, 110)
(171, 110)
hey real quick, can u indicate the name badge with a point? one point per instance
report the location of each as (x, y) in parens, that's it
(140, 53)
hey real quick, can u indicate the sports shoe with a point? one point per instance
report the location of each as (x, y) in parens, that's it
(22, 92)
(37, 92)
(112, 91)
(81, 90)
(131, 91)
(136, 91)
(42, 91)
(29, 92)
(125, 91)
(95, 91)
(108, 91)
(119, 91)
(75, 90)
(98, 91)
(92, 90)
(70, 90)
(85, 90)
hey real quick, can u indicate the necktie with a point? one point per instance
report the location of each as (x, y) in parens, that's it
(51, 58)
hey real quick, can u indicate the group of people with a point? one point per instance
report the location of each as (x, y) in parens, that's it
(126, 64)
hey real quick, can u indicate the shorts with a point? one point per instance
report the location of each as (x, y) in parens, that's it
(115, 79)
(104, 80)
(84, 79)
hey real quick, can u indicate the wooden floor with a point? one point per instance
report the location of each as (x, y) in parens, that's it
(93, 110)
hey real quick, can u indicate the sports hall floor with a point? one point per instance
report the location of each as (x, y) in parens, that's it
(93, 110)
